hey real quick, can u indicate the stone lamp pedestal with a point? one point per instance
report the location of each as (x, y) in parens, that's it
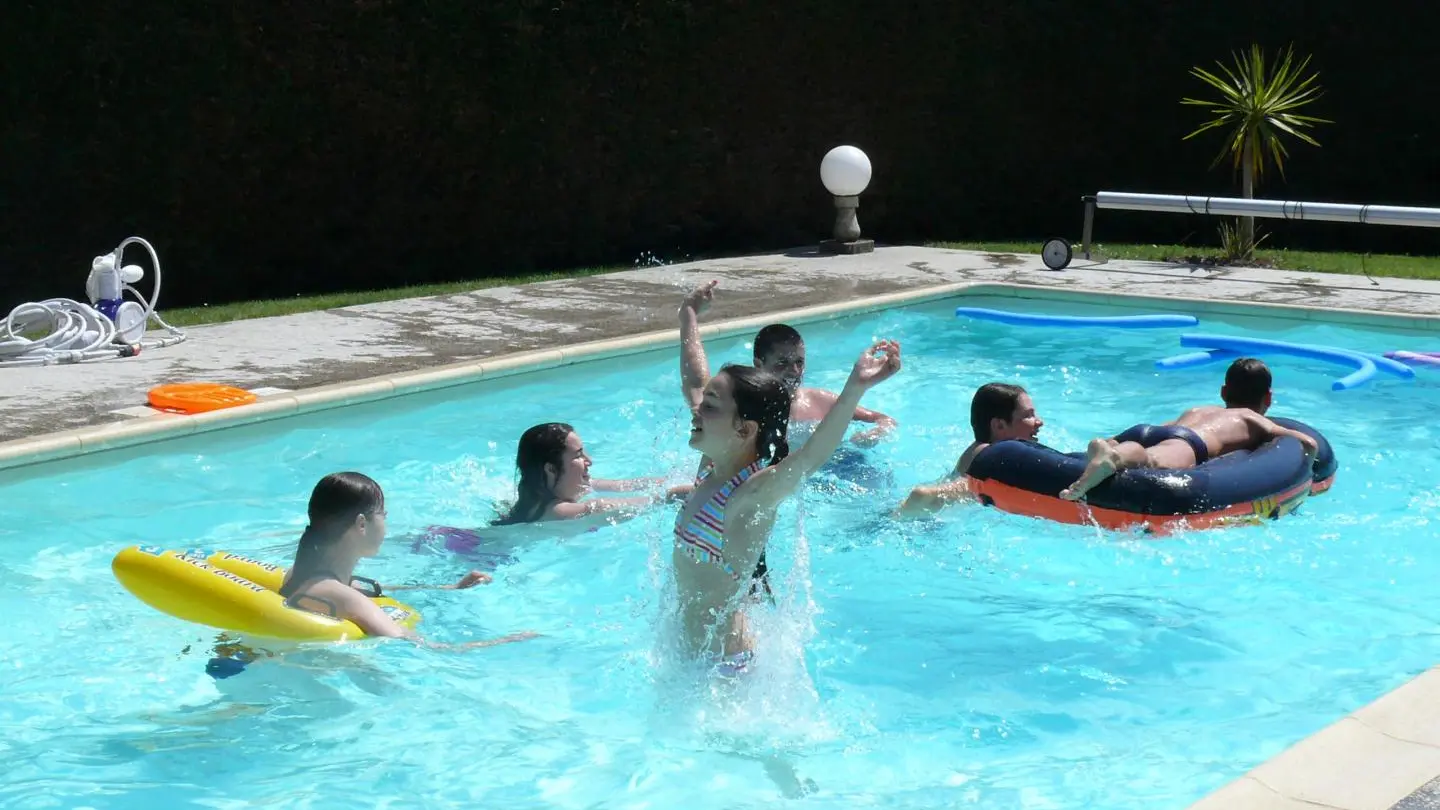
(847, 229)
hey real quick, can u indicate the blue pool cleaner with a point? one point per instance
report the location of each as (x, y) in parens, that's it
(1112, 322)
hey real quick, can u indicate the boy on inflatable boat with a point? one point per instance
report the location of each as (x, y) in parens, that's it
(1199, 435)
(1000, 411)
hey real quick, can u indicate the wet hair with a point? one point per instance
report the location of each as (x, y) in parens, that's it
(540, 445)
(993, 401)
(335, 502)
(762, 398)
(1246, 383)
(774, 336)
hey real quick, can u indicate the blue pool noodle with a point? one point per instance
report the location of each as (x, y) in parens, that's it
(1365, 365)
(1114, 322)
(1195, 359)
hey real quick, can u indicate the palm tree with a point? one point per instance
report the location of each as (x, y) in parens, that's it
(1258, 106)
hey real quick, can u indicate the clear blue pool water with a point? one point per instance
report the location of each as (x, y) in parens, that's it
(979, 659)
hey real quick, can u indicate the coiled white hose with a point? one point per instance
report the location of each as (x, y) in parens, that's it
(75, 332)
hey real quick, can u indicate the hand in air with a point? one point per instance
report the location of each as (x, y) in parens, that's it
(699, 298)
(877, 364)
(472, 579)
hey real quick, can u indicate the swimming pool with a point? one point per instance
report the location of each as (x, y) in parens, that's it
(981, 658)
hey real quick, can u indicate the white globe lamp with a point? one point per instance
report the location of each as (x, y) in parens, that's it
(845, 171)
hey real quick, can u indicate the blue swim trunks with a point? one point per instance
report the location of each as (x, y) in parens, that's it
(1151, 435)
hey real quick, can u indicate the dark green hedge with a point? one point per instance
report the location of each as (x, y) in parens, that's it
(275, 148)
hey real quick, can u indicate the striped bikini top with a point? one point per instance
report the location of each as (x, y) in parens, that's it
(703, 537)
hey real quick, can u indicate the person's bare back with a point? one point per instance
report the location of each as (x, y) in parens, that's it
(1225, 430)
(1209, 431)
(1199, 435)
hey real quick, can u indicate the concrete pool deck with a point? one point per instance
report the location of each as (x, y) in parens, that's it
(1382, 756)
(313, 349)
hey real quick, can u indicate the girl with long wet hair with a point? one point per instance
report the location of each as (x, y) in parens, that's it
(739, 425)
(554, 478)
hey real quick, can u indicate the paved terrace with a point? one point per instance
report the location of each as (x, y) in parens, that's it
(1385, 755)
(302, 351)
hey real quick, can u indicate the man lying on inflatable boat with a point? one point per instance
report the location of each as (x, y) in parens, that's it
(1211, 466)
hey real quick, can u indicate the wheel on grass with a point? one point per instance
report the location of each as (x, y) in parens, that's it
(1055, 253)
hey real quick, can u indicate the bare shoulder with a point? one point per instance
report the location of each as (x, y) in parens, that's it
(811, 404)
(818, 396)
(1246, 415)
(962, 466)
(567, 510)
(753, 491)
(1201, 415)
(345, 599)
(1256, 419)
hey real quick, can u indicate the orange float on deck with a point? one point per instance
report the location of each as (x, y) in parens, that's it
(192, 398)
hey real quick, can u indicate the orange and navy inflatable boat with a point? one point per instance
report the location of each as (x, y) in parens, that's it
(1242, 487)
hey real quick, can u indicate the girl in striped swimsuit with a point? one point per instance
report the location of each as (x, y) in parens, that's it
(738, 423)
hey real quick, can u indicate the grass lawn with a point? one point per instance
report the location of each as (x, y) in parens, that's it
(1352, 264)
(1424, 267)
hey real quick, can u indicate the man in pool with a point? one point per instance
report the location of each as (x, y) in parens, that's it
(780, 350)
(1200, 434)
(998, 411)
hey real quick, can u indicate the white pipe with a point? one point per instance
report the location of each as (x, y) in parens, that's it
(1273, 209)
(74, 333)
(176, 336)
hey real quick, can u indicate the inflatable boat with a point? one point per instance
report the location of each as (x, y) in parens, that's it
(1251, 486)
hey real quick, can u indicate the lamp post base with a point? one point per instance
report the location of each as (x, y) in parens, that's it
(833, 246)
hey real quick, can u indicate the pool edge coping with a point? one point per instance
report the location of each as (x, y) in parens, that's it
(90, 439)
(1370, 759)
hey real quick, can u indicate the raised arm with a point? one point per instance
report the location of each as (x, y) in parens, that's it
(774, 484)
(694, 367)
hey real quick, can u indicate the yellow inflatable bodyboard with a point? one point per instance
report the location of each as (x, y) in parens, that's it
(233, 592)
